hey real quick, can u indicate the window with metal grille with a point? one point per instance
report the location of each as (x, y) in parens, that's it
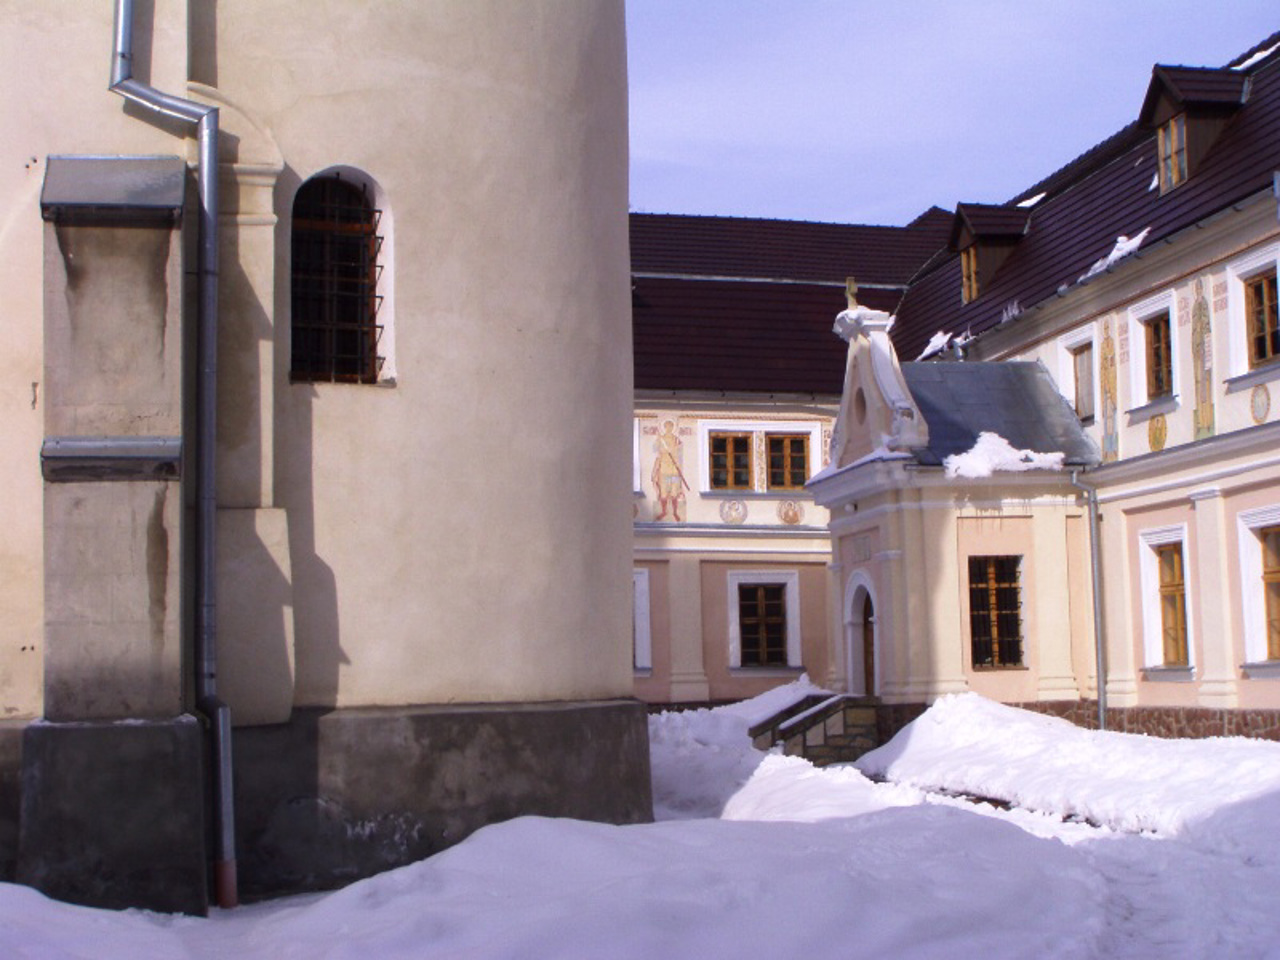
(995, 611)
(762, 624)
(1082, 364)
(1159, 357)
(1264, 323)
(731, 461)
(1173, 152)
(788, 460)
(1270, 537)
(335, 269)
(1173, 604)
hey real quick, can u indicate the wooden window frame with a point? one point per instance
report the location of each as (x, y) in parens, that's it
(1171, 573)
(1173, 152)
(1158, 333)
(1271, 588)
(762, 624)
(1082, 358)
(1262, 317)
(995, 612)
(725, 459)
(782, 462)
(969, 273)
(335, 249)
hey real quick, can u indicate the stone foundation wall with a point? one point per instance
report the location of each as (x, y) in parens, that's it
(1174, 722)
(10, 796)
(334, 796)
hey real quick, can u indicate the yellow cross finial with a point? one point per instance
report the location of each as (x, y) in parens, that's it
(851, 292)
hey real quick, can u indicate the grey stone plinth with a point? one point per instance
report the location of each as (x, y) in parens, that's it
(113, 814)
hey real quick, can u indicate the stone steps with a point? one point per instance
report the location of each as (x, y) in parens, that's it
(837, 729)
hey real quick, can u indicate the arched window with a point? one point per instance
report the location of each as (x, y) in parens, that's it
(335, 325)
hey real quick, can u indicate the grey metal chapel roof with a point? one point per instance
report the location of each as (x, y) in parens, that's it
(1016, 399)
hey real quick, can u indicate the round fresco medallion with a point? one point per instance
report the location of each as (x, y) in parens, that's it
(1260, 403)
(1157, 432)
(790, 512)
(733, 511)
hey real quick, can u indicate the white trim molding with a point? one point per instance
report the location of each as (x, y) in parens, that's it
(759, 475)
(1138, 315)
(1238, 271)
(642, 637)
(1149, 580)
(1253, 604)
(790, 580)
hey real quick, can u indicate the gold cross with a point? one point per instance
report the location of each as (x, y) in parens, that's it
(851, 292)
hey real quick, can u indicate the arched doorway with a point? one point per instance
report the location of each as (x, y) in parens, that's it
(861, 627)
(868, 647)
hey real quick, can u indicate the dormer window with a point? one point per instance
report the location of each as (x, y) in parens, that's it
(1187, 108)
(985, 235)
(969, 271)
(1173, 152)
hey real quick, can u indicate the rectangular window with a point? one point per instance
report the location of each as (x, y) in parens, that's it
(1270, 537)
(1159, 356)
(788, 460)
(969, 270)
(1082, 364)
(1173, 604)
(1173, 153)
(995, 611)
(1264, 325)
(762, 624)
(731, 461)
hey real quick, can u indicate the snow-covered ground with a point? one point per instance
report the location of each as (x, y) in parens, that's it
(1117, 846)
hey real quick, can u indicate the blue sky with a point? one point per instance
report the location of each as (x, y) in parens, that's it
(869, 112)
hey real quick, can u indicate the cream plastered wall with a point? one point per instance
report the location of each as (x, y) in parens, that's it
(1211, 464)
(1218, 495)
(691, 538)
(461, 533)
(57, 58)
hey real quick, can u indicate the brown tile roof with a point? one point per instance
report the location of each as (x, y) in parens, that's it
(729, 304)
(1107, 194)
(676, 245)
(990, 220)
(1197, 87)
(731, 336)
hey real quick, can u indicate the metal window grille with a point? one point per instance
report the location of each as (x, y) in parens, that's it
(788, 460)
(995, 611)
(762, 624)
(335, 274)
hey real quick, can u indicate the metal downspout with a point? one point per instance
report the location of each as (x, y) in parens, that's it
(205, 120)
(1095, 567)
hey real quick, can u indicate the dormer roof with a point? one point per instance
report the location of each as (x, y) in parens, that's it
(1196, 90)
(986, 221)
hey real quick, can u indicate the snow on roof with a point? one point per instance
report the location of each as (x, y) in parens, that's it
(1123, 247)
(993, 453)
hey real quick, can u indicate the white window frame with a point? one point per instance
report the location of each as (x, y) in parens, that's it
(1139, 314)
(641, 622)
(1253, 612)
(790, 579)
(1149, 580)
(636, 472)
(1238, 271)
(707, 427)
(1068, 344)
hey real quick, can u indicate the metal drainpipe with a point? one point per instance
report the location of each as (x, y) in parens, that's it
(1095, 566)
(205, 119)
